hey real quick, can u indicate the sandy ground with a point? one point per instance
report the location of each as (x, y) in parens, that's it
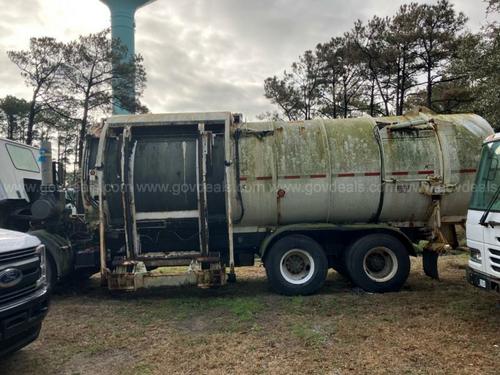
(429, 327)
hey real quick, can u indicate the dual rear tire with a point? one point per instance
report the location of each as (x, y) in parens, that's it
(297, 264)
(378, 263)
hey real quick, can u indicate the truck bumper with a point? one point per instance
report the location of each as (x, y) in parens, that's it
(20, 322)
(483, 281)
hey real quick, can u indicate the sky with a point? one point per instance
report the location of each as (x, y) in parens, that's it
(201, 55)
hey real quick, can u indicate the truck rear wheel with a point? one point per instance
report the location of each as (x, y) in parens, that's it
(378, 263)
(296, 265)
(51, 272)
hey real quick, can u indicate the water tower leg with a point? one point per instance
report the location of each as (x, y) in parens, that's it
(123, 29)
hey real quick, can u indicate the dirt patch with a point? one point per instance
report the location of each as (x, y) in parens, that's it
(429, 327)
(88, 363)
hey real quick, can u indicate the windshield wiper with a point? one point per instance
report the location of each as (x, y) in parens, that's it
(490, 206)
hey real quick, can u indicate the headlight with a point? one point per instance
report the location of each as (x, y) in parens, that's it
(475, 255)
(42, 281)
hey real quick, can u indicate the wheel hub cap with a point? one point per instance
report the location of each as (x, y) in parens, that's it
(297, 266)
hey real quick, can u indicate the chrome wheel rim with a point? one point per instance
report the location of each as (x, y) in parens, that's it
(380, 264)
(297, 266)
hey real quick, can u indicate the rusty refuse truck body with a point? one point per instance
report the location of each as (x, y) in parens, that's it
(210, 192)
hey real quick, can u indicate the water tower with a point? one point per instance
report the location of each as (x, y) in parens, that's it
(123, 28)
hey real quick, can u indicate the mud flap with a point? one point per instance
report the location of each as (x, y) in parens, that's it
(430, 260)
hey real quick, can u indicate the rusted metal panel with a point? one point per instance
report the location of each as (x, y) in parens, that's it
(464, 142)
(133, 275)
(356, 170)
(167, 119)
(303, 165)
(258, 173)
(410, 157)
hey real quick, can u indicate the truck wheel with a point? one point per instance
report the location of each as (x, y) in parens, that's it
(378, 263)
(296, 265)
(51, 272)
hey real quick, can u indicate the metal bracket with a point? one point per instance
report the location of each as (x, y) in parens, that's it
(132, 275)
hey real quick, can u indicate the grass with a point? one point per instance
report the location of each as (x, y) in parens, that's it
(429, 327)
(311, 335)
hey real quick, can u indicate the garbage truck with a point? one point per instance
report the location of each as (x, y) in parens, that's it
(211, 192)
(483, 220)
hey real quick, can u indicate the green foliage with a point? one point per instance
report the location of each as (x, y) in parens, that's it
(437, 29)
(493, 5)
(378, 68)
(39, 66)
(72, 87)
(478, 61)
(13, 117)
(92, 65)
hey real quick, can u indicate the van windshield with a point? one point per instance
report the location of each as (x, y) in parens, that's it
(487, 179)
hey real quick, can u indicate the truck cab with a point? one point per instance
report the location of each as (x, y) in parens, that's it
(24, 297)
(483, 220)
(20, 182)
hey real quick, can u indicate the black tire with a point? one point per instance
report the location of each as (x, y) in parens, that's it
(378, 263)
(304, 268)
(51, 272)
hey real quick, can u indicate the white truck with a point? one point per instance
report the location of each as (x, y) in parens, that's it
(26, 205)
(24, 297)
(20, 180)
(483, 220)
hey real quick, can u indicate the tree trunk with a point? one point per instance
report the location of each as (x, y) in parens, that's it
(11, 123)
(345, 100)
(372, 98)
(31, 118)
(31, 123)
(401, 103)
(83, 131)
(429, 88)
(398, 89)
(334, 97)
